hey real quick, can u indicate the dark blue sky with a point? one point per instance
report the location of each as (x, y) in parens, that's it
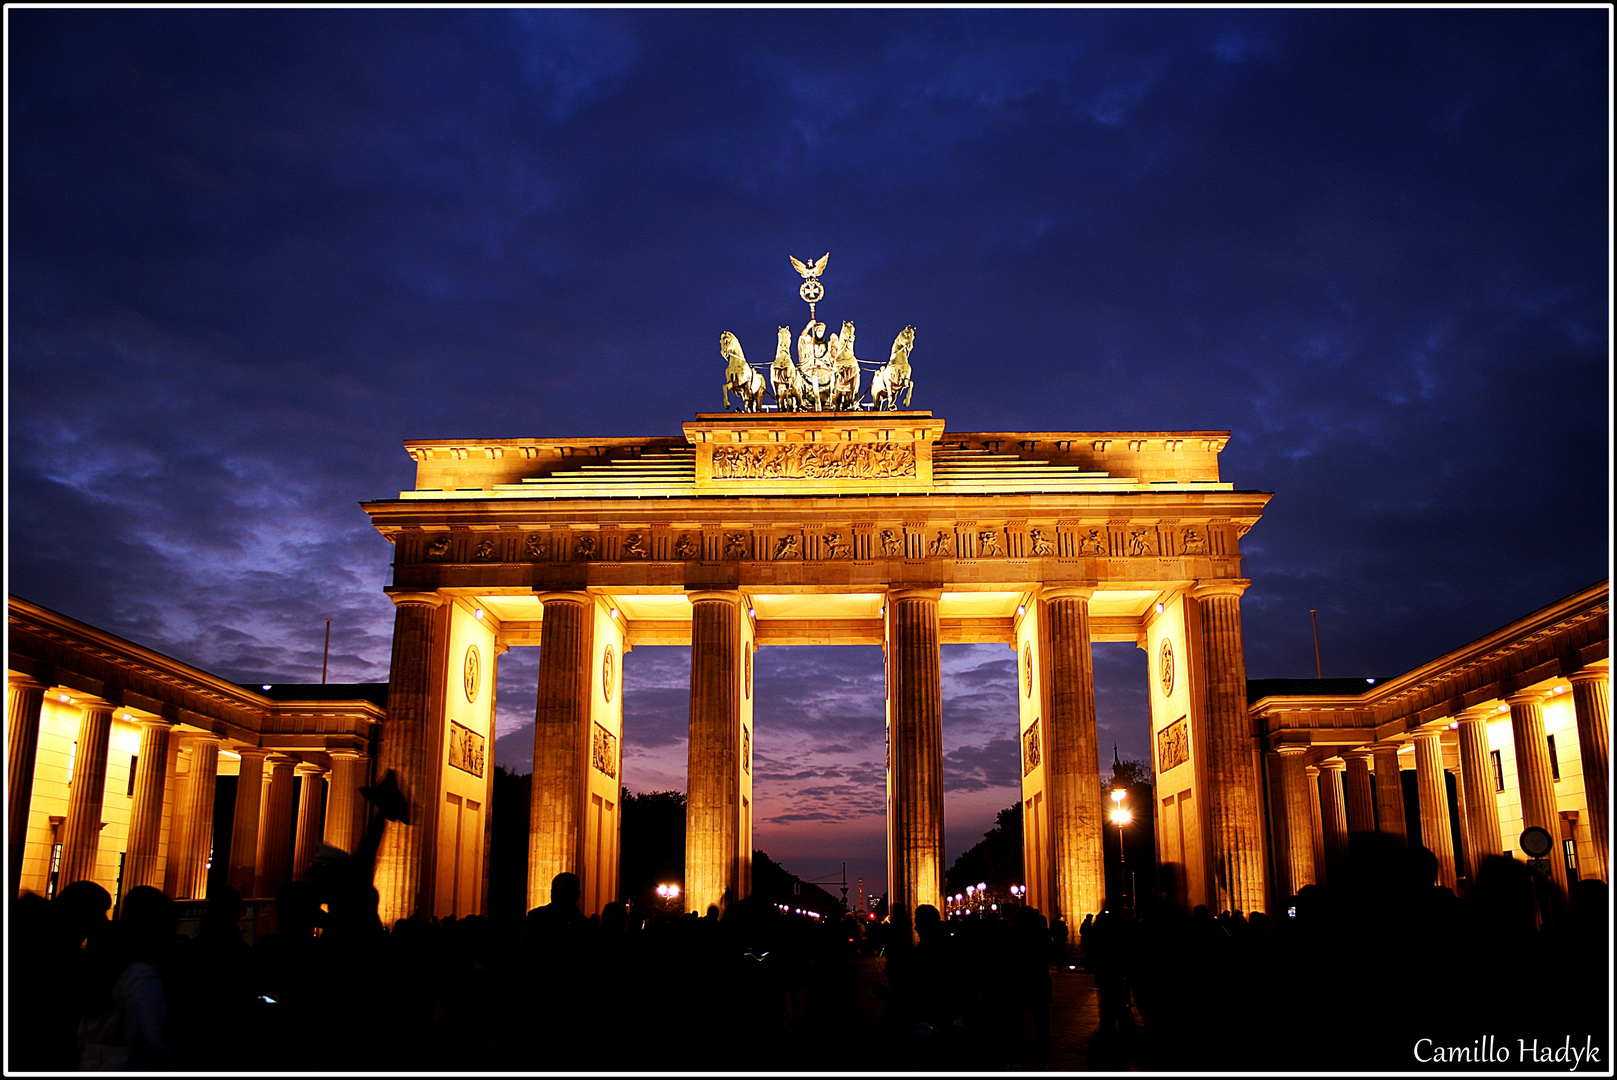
(251, 251)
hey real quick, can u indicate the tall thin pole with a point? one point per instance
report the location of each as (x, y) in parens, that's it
(326, 659)
(1319, 669)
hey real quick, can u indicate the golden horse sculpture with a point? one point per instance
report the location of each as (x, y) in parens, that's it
(739, 375)
(788, 381)
(894, 376)
(845, 387)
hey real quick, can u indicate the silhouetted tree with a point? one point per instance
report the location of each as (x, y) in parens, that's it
(508, 848)
(653, 851)
(995, 860)
(772, 883)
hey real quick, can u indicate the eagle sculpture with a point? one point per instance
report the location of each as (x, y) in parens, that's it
(810, 271)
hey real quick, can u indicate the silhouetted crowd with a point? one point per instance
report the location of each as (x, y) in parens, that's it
(1348, 979)
(1352, 976)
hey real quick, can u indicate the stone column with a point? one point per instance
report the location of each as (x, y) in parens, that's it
(1233, 817)
(1390, 793)
(1333, 815)
(244, 821)
(1299, 822)
(25, 697)
(81, 832)
(560, 742)
(915, 816)
(1361, 798)
(712, 802)
(1316, 826)
(311, 801)
(343, 826)
(1591, 698)
(275, 831)
(192, 840)
(1534, 777)
(1480, 808)
(409, 749)
(1435, 834)
(146, 815)
(1073, 767)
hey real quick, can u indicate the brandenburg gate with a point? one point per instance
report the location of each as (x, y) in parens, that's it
(864, 527)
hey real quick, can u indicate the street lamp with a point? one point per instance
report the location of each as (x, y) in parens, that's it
(1120, 818)
(668, 894)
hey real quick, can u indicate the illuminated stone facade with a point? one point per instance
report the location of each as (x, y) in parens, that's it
(1509, 731)
(115, 753)
(865, 528)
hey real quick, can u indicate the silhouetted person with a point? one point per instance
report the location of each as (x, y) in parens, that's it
(216, 1014)
(553, 955)
(130, 1030)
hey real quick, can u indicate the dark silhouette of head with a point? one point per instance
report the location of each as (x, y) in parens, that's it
(83, 906)
(565, 889)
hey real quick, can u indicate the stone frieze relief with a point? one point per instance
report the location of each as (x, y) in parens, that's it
(847, 461)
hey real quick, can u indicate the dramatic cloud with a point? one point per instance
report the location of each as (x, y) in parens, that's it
(252, 250)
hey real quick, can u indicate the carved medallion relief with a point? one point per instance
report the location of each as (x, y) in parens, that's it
(472, 673)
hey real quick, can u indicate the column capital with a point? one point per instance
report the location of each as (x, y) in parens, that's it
(1362, 753)
(896, 595)
(152, 721)
(1475, 714)
(1311, 770)
(1525, 697)
(345, 754)
(308, 768)
(581, 598)
(1333, 765)
(1234, 587)
(417, 599)
(17, 681)
(245, 752)
(1068, 592)
(1589, 675)
(279, 758)
(1390, 746)
(1428, 733)
(1291, 749)
(201, 738)
(723, 596)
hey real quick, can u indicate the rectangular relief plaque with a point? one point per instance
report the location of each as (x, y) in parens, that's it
(465, 749)
(604, 752)
(1173, 746)
(1030, 747)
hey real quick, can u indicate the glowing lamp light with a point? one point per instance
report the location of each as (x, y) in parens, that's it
(1370, 682)
(1454, 725)
(981, 887)
(1121, 816)
(1503, 708)
(1021, 609)
(1161, 609)
(478, 614)
(65, 700)
(612, 612)
(752, 613)
(1119, 794)
(266, 686)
